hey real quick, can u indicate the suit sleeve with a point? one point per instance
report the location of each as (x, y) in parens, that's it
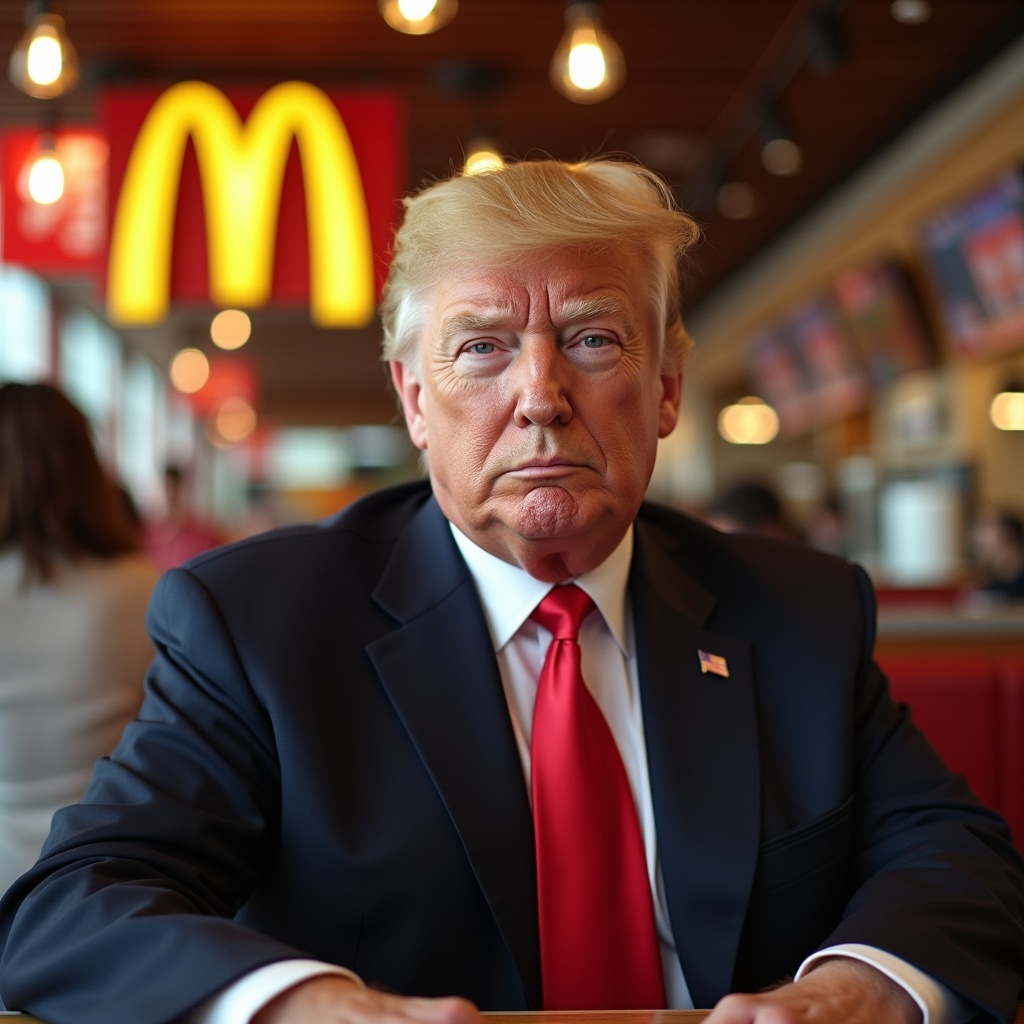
(166, 845)
(936, 879)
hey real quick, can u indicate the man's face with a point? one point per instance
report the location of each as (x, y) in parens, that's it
(540, 399)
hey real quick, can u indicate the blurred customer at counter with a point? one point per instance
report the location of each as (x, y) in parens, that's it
(73, 596)
(180, 533)
(997, 543)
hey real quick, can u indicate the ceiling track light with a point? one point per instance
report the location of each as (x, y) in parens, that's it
(588, 65)
(44, 64)
(736, 200)
(780, 152)
(910, 12)
(417, 17)
(825, 42)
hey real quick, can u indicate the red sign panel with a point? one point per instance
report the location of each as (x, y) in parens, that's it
(373, 125)
(68, 236)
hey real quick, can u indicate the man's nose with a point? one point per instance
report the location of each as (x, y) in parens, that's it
(541, 383)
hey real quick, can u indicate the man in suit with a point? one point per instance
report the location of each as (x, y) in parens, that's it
(323, 811)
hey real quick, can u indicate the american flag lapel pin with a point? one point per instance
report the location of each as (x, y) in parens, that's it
(713, 663)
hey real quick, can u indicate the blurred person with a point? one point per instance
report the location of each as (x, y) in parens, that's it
(179, 533)
(751, 506)
(366, 740)
(826, 527)
(996, 541)
(73, 596)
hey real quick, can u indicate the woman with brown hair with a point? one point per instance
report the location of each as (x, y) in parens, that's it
(73, 597)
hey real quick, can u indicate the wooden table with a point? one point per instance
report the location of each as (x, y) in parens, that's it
(561, 1017)
(605, 1017)
(622, 1017)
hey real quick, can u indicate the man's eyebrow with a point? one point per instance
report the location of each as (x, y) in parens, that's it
(575, 310)
(471, 321)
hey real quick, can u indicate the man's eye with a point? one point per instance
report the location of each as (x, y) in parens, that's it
(481, 348)
(594, 341)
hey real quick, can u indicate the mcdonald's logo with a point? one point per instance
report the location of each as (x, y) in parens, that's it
(241, 163)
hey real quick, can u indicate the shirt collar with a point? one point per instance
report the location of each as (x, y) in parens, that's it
(509, 594)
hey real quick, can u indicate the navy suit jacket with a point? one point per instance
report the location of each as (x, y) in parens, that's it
(324, 766)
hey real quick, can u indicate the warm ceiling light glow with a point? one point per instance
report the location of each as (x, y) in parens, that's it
(190, 370)
(44, 64)
(483, 156)
(230, 329)
(418, 17)
(46, 178)
(234, 420)
(588, 65)
(749, 421)
(1007, 410)
(736, 200)
(910, 12)
(782, 156)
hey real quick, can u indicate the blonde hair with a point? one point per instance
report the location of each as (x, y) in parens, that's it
(502, 216)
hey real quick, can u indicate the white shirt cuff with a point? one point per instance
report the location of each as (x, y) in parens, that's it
(938, 1004)
(242, 1000)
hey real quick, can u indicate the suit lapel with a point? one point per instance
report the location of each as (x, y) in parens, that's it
(439, 670)
(702, 750)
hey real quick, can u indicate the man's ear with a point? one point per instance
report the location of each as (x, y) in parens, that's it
(671, 396)
(410, 394)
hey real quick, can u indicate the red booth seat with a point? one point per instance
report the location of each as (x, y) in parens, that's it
(971, 708)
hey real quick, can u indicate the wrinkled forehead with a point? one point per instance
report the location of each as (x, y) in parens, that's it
(563, 272)
(560, 286)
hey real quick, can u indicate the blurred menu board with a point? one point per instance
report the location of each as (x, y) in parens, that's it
(822, 359)
(974, 254)
(880, 311)
(807, 369)
(782, 380)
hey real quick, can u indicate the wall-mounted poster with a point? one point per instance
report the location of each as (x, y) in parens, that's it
(974, 254)
(838, 382)
(881, 314)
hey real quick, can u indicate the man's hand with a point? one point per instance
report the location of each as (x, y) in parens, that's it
(331, 999)
(836, 992)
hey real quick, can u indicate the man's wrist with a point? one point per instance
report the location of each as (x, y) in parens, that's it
(938, 1005)
(239, 1002)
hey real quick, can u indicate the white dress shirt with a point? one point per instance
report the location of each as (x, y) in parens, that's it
(509, 595)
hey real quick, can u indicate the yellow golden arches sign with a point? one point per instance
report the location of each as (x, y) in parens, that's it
(241, 165)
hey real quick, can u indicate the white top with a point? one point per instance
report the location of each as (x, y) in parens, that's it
(73, 653)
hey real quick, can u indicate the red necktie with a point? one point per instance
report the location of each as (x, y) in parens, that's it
(598, 944)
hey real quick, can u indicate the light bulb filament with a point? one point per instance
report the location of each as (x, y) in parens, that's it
(46, 180)
(587, 68)
(45, 62)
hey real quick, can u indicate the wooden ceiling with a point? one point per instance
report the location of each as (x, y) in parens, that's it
(694, 71)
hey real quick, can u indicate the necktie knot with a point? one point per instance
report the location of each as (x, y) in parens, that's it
(562, 611)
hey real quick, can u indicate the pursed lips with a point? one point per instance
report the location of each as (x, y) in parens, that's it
(548, 467)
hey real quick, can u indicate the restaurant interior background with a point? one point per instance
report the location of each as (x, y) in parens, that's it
(857, 169)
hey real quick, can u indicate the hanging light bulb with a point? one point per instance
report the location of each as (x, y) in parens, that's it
(418, 17)
(588, 65)
(482, 155)
(44, 64)
(46, 175)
